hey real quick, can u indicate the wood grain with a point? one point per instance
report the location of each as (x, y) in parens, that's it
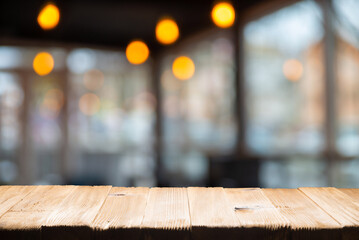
(121, 215)
(351, 192)
(307, 220)
(35, 207)
(10, 195)
(167, 214)
(339, 206)
(73, 218)
(212, 217)
(256, 212)
(103, 212)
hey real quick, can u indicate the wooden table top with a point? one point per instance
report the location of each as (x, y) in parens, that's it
(105, 212)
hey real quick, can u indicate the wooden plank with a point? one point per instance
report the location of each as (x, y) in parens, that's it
(351, 192)
(10, 195)
(121, 215)
(34, 207)
(257, 214)
(339, 206)
(307, 220)
(211, 214)
(73, 218)
(167, 214)
(3, 189)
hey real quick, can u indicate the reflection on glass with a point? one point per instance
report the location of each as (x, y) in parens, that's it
(10, 57)
(199, 112)
(11, 99)
(285, 116)
(89, 104)
(111, 120)
(112, 143)
(45, 140)
(293, 172)
(347, 70)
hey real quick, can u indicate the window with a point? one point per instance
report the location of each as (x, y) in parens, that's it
(346, 30)
(284, 81)
(285, 95)
(198, 113)
(91, 119)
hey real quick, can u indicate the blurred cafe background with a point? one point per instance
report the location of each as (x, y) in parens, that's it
(239, 93)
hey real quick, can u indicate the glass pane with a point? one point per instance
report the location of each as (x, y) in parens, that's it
(11, 100)
(346, 174)
(293, 173)
(46, 108)
(111, 119)
(347, 70)
(198, 112)
(284, 81)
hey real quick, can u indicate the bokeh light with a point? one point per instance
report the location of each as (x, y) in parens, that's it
(81, 60)
(52, 103)
(93, 79)
(137, 52)
(49, 17)
(293, 69)
(43, 63)
(223, 14)
(183, 68)
(167, 31)
(89, 104)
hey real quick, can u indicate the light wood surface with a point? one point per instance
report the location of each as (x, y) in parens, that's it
(352, 192)
(74, 217)
(35, 207)
(121, 214)
(339, 206)
(167, 214)
(105, 212)
(304, 215)
(255, 211)
(211, 214)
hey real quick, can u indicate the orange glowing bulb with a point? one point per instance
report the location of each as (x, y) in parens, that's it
(167, 31)
(183, 68)
(49, 17)
(137, 52)
(43, 63)
(223, 15)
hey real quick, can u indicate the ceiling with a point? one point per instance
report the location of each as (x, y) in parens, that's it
(107, 23)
